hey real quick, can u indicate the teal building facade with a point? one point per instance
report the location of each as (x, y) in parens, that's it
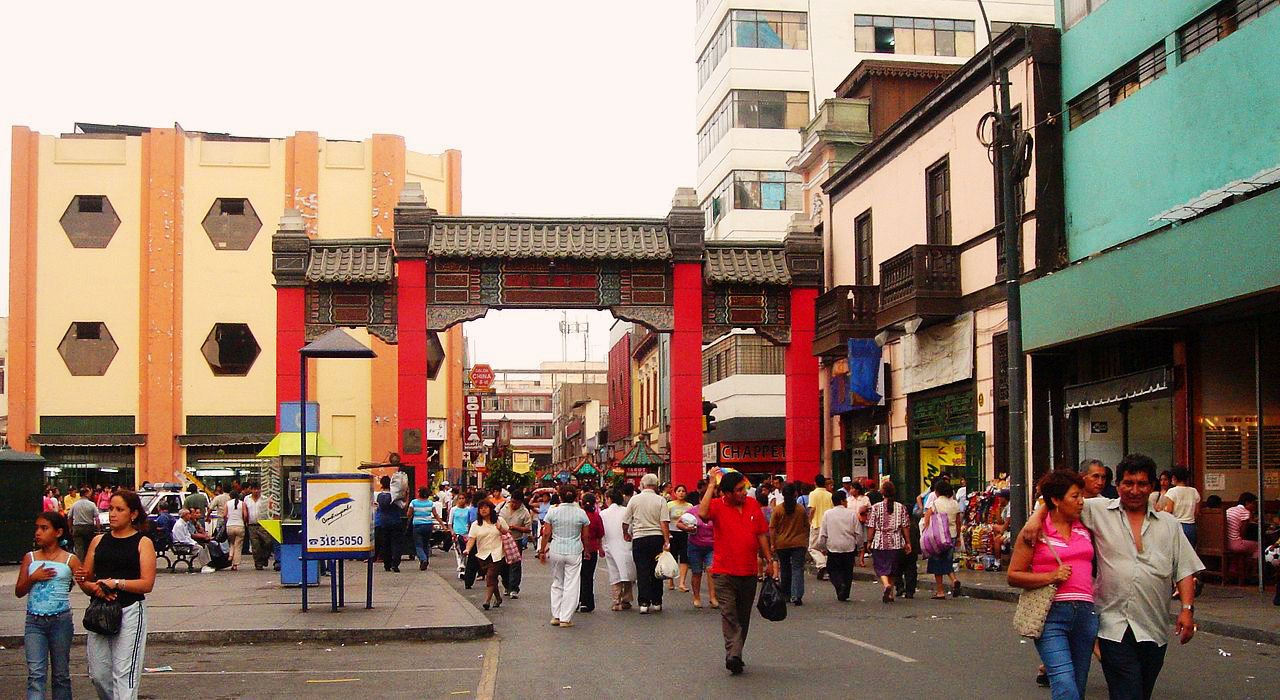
(1159, 331)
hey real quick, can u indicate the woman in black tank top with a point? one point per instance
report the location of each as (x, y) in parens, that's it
(120, 565)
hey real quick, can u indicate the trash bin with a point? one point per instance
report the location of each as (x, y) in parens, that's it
(291, 567)
(21, 482)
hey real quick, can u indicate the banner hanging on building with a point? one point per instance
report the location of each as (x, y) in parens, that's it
(938, 355)
(472, 423)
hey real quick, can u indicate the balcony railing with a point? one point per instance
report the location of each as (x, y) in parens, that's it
(923, 281)
(847, 311)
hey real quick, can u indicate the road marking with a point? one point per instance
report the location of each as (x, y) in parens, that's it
(335, 680)
(312, 671)
(489, 678)
(872, 647)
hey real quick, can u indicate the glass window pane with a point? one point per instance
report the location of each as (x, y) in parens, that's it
(746, 175)
(745, 15)
(862, 20)
(744, 33)
(746, 195)
(944, 43)
(864, 39)
(902, 22)
(795, 36)
(745, 114)
(924, 42)
(797, 115)
(964, 25)
(882, 21)
(773, 176)
(964, 43)
(769, 34)
(904, 41)
(795, 196)
(924, 24)
(773, 195)
(773, 115)
(1074, 11)
(944, 24)
(769, 16)
(884, 40)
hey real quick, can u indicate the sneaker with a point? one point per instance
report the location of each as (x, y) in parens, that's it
(513, 595)
(1042, 680)
(797, 602)
(460, 576)
(734, 664)
(822, 573)
(422, 566)
(644, 609)
(656, 608)
(555, 622)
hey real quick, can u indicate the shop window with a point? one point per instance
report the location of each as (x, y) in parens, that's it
(231, 223)
(90, 221)
(87, 348)
(230, 349)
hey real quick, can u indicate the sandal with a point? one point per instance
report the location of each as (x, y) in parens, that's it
(938, 597)
(888, 595)
(715, 604)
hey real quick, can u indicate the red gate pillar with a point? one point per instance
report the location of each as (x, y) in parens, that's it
(412, 222)
(289, 251)
(684, 225)
(804, 412)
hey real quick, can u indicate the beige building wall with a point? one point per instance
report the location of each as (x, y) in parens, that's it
(88, 284)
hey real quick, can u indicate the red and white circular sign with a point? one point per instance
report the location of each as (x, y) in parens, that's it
(481, 377)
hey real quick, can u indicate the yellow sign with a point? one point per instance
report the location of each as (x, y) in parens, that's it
(520, 462)
(936, 455)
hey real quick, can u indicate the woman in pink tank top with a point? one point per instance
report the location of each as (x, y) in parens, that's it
(1063, 555)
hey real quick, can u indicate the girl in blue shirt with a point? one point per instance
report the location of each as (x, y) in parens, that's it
(422, 510)
(45, 574)
(460, 518)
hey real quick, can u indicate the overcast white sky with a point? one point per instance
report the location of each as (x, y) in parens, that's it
(560, 107)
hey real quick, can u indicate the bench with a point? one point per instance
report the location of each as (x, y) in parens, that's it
(1211, 527)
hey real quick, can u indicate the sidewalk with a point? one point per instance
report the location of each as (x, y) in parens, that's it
(251, 606)
(1231, 611)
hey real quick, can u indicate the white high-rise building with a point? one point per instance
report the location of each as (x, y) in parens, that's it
(763, 66)
(763, 69)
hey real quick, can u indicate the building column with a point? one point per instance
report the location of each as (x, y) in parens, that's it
(289, 251)
(160, 313)
(804, 413)
(803, 431)
(684, 226)
(412, 224)
(22, 286)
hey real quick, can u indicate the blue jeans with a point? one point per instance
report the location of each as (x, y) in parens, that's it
(422, 541)
(791, 566)
(47, 640)
(1066, 647)
(1192, 533)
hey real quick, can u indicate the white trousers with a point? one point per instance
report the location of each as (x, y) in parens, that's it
(566, 583)
(819, 558)
(115, 662)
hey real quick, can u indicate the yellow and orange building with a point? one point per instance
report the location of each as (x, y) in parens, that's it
(150, 332)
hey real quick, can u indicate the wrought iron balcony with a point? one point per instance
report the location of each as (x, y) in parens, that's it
(847, 311)
(922, 281)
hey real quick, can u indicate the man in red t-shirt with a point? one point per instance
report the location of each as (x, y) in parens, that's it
(741, 536)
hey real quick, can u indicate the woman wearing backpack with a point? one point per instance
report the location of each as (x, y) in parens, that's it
(942, 563)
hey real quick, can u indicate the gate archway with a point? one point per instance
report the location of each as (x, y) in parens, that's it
(660, 273)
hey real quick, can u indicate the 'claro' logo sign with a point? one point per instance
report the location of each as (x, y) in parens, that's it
(334, 507)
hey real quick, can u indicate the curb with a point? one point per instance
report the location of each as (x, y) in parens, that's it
(1208, 625)
(455, 633)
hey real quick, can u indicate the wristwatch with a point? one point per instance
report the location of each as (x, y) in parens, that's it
(1189, 608)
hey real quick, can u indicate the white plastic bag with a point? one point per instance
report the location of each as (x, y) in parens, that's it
(667, 567)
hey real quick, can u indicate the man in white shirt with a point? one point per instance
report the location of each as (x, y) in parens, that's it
(259, 539)
(647, 525)
(185, 532)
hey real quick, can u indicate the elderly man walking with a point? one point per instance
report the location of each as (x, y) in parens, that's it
(741, 535)
(647, 525)
(819, 503)
(1141, 553)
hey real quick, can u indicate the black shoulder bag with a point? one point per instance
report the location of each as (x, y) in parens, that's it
(103, 616)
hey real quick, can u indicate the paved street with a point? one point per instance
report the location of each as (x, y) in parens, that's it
(912, 646)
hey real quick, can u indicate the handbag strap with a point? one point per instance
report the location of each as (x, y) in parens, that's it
(1052, 551)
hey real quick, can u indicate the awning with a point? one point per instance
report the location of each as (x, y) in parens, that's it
(1109, 391)
(225, 439)
(286, 445)
(84, 440)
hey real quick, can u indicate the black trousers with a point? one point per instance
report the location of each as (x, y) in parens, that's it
(511, 575)
(386, 542)
(1130, 666)
(586, 576)
(840, 571)
(471, 570)
(645, 551)
(910, 574)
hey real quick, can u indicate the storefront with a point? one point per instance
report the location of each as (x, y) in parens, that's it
(942, 425)
(1123, 415)
(757, 459)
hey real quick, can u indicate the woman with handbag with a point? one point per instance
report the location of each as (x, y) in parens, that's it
(1059, 570)
(888, 530)
(119, 570)
(942, 562)
(484, 541)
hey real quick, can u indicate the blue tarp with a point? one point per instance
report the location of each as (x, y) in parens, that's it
(864, 372)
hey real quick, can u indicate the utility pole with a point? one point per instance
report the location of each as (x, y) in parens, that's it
(1011, 176)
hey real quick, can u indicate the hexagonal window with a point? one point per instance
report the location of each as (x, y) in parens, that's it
(230, 349)
(90, 221)
(88, 348)
(231, 223)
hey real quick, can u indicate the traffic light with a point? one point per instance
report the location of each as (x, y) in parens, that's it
(708, 420)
